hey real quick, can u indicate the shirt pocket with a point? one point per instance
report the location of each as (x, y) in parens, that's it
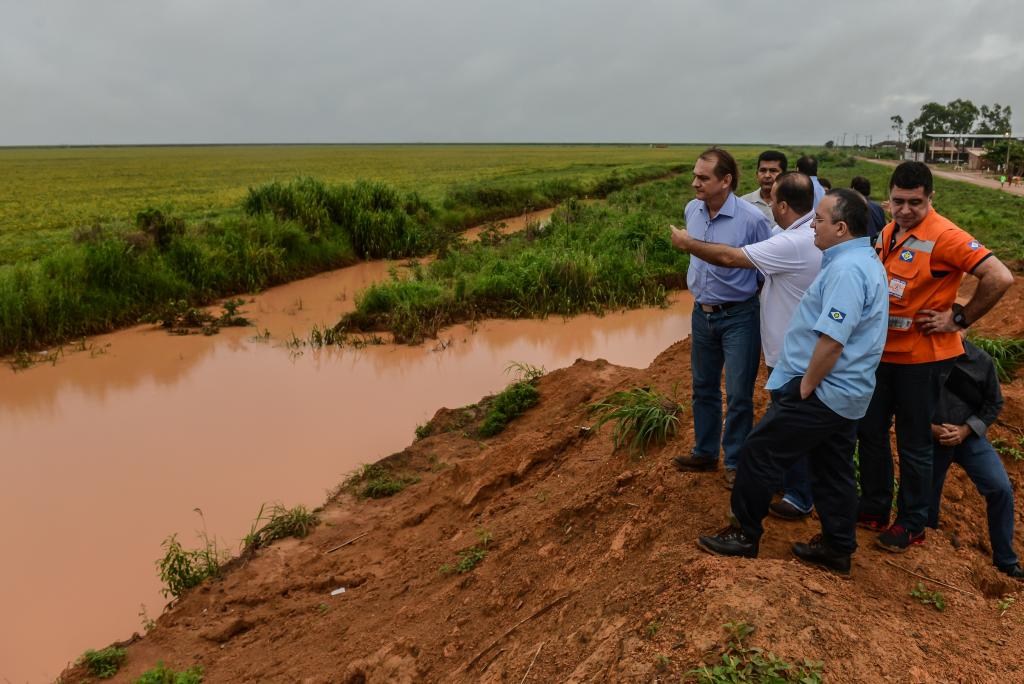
(902, 276)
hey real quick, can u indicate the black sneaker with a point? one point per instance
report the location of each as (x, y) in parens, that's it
(1014, 571)
(899, 539)
(729, 541)
(816, 552)
(693, 463)
(787, 511)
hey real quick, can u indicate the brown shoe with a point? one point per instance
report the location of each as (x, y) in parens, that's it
(694, 463)
(729, 478)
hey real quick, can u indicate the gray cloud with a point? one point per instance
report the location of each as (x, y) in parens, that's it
(137, 71)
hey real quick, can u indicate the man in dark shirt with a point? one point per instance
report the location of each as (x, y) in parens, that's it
(970, 401)
(875, 212)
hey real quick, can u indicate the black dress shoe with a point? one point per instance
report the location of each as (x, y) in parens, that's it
(816, 552)
(787, 511)
(729, 541)
(1014, 571)
(692, 463)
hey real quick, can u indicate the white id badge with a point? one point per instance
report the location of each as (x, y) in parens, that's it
(896, 287)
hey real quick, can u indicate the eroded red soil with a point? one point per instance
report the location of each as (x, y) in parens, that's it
(590, 549)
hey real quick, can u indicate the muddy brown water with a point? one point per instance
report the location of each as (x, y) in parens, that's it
(109, 450)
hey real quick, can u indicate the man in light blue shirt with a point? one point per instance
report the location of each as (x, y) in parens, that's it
(820, 388)
(725, 323)
(809, 166)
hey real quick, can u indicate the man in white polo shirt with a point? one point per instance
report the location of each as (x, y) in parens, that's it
(789, 262)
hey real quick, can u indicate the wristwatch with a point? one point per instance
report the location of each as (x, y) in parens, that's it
(958, 316)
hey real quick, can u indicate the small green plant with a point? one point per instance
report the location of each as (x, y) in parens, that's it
(1007, 354)
(929, 598)
(161, 674)
(148, 623)
(20, 360)
(471, 557)
(1005, 604)
(662, 662)
(641, 416)
(423, 430)
(1007, 450)
(524, 372)
(279, 522)
(104, 663)
(652, 628)
(743, 663)
(181, 569)
(377, 481)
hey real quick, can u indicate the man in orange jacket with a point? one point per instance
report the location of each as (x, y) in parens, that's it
(925, 257)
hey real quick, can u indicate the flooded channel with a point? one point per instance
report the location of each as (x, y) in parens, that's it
(111, 448)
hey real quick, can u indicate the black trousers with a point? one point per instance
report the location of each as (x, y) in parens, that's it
(791, 429)
(910, 393)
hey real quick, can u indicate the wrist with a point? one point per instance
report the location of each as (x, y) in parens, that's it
(959, 319)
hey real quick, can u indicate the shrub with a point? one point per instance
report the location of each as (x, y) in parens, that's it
(161, 674)
(104, 663)
(641, 416)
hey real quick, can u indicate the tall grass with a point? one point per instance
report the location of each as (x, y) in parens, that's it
(589, 259)
(111, 277)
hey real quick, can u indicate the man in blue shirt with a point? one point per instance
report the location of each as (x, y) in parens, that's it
(725, 323)
(808, 166)
(820, 389)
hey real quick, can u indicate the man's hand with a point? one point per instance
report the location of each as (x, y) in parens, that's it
(932, 322)
(949, 435)
(681, 240)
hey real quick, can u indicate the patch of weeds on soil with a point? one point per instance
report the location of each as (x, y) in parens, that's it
(471, 557)
(377, 481)
(279, 522)
(161, 674)
(652, 629)
(1007, 354)
(929, 598)
(642, 417)
(148, 623)
(104, 663)
(512, 401)
(743, 663)
(1004, 604)
(181, 568)
(180, 318)
(1005, 449)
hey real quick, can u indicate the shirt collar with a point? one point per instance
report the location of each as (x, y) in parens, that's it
(835, 250)
(803, 222)
(728, 209)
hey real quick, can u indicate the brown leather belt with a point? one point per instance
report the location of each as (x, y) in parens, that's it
(715, 308)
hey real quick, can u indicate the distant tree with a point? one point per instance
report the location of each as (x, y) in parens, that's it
(996, 155)
(994, 120)
(961, 115)
(897, 125)
(830, 144)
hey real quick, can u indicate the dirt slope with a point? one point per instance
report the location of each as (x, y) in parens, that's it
(593, 568)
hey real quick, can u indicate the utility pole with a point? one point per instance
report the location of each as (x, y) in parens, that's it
(844, 139)
(1006, 169)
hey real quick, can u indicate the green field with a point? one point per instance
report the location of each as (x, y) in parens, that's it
(48, 192)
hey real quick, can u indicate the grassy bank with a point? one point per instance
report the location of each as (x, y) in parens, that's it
(588, 259)
(110, 276)
(48, 193)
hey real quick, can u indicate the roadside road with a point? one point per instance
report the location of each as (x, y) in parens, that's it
(963, 176)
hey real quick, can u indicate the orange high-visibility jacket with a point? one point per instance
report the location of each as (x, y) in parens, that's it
(924, 271)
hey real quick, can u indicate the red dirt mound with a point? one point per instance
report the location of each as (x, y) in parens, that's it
(592, 572)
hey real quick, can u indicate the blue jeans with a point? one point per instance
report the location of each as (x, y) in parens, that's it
(981, 463)
(730, 338)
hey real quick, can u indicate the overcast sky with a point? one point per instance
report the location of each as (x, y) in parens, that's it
(209, 71)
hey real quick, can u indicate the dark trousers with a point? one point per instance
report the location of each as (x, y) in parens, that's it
(791, 429)
(981, 463)
(796, 483)
(909, 393)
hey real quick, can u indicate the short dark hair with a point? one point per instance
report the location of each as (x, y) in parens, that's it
(852, 208)
(910, 175)
(807, 164)
(795, 189)
(824, 182)
(861, 185)
(724, 163)
(773, 155)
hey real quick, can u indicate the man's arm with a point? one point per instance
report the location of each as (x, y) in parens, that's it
(826, 353)
(994, 279)
(711, 252)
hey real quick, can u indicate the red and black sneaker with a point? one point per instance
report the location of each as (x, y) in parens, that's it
(898, 539)
(875, 523)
